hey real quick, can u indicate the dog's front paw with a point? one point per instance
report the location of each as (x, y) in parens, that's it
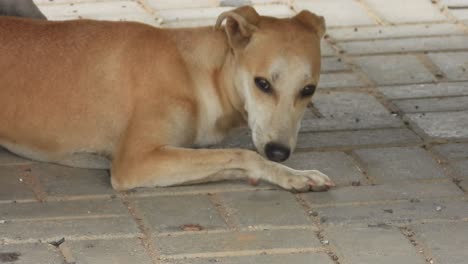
(308, 180)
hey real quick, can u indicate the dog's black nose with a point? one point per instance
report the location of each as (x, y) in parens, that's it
(277, 152)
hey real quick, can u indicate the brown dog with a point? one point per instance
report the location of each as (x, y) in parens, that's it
(133, 98)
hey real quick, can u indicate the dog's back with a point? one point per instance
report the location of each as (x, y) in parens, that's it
(51, 76)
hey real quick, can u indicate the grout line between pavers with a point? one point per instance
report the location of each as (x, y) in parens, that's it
(146, 238)
(383, 202)
(351, 130)
(56, 198)
(315, 111)
(253, 228)
(362, 89)
(65, 218)
(431, 67)
(415, 23)
(445, 165)
(155, 14)
(240, 253)
(426, 83)
(408, 53)
(315, 221)
(63, 198)
(20, 201)
(440, 220)
(351, 40)
(52, 3)
(380, 21)
(458, 109)
(362, 166)
(361, 146)
(8, 241)
(431, 97)
(451, 111)
(223, 210)
(336, 71)
(409, 234)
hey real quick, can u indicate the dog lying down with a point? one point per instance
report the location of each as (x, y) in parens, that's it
(134, 99)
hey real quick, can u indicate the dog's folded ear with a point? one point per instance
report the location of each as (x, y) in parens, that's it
(311, 21)
(240, 24)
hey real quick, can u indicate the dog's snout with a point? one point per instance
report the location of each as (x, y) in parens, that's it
(277, 152)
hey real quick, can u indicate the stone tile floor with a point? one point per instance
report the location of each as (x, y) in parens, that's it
(389, 125)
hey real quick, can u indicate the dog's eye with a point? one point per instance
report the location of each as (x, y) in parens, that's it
(308, 90)
(263, 84)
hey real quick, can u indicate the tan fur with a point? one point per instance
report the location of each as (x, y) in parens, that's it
(136, 98)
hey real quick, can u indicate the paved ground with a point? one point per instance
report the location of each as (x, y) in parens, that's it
(389, 125)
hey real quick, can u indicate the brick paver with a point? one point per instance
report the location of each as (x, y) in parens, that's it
(396, 164)
(109, 251)
(447, 241)
(397, 69)
(30, 253)
(264, 208)
(338, 12)
(453, 64)
(364, 245)
(389, 124)
(401, 11)
(258, 240)
(340, 80)
(446, 125)
(159, 212)
(337, 165)
(349, 110)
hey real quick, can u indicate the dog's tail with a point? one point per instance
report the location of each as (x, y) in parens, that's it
(20, 8)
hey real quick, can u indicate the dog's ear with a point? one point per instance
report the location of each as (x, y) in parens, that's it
(240, 25)
(311, 21)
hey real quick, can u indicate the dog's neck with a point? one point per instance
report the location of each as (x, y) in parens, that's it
(211, 63)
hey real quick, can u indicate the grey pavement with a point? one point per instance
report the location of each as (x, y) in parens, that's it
(389, 124)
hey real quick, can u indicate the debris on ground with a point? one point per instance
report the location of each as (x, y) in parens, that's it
(313, 213)
(67, 254)
(191, 227)
(356, 183)
(57, 243)
(380, 225)
(9, 256)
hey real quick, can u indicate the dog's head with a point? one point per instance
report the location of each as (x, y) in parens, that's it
(276, 71)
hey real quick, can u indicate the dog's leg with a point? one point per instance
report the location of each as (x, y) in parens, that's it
(168, 166)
